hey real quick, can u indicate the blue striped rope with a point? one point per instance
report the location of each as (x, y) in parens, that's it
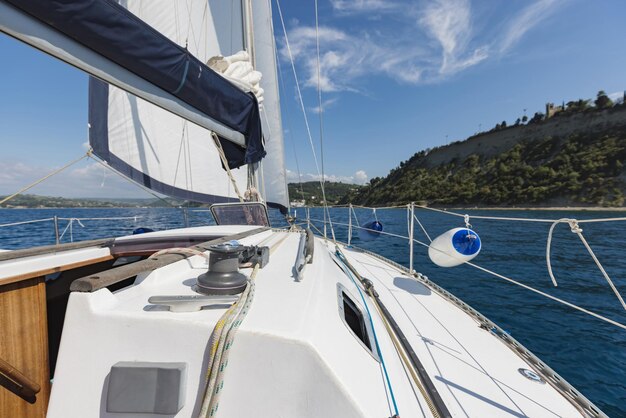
(380, 353)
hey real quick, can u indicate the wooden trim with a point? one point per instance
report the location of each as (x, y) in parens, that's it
(116, 275)
(27, 389)
(56, 269)
(51, 249)
(24, 345)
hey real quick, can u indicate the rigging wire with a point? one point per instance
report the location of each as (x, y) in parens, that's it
(47, 176)
(306, 119)
(321, 111)
(147, 190)
(287, 117)
(503, 277)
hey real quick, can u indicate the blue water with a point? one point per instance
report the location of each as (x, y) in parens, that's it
(589, 353)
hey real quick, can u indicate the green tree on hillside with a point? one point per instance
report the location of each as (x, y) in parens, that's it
(603, 101)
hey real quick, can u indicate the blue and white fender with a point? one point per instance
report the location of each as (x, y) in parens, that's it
(454, 247)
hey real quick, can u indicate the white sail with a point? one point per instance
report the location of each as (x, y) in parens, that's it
(176, 157)
(273, 178)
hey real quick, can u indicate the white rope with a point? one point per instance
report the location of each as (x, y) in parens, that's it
(69, 226)
(532, 289)
(515, 219)
(27, 222)
(118, 218)
(220, 151)
(179, 250)
(355, 217)
(573, 224)
(423, 229)
(306, 119)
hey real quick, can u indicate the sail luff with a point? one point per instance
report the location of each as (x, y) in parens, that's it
(265, 51)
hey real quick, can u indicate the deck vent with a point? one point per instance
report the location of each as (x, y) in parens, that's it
(223, 277)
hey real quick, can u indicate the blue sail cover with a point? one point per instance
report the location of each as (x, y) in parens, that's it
(115, 33)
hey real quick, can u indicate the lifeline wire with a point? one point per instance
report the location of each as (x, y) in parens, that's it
(532, 289)
(573, 224)
(510, 280)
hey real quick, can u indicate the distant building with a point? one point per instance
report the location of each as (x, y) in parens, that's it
(552, 109)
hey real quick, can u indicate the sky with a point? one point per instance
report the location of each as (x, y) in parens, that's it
(396, 77)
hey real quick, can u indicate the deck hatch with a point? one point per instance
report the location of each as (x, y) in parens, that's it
(137, 387)
(355, 318)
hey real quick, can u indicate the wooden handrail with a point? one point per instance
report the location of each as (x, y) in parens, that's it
(106, 278)
(50, 249)
(23, 386)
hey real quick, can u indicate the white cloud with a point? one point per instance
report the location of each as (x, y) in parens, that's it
(346, 57)
(360, 177)
(530, 17)
(360, 6)
(85, 180)
(325, 105)
(450, 23)
(420, 42)
(617, 97)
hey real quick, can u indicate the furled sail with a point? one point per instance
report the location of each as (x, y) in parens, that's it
(161, 58)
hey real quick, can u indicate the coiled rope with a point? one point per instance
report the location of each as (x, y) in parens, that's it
(223, 337)
(222, 340)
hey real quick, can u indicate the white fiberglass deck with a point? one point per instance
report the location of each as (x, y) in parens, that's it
(294, 356)
(475, 373)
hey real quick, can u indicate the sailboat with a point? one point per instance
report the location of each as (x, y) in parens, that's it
(238, 319)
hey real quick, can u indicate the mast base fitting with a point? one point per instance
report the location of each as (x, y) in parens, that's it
(223, 277)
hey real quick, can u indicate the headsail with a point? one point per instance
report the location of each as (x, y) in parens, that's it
(273, 176)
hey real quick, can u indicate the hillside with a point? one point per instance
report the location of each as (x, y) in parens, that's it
(311, 192)
(36, 201)
(569, 160)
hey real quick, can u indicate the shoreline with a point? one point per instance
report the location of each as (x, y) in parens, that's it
(455, 208)
(547, 208)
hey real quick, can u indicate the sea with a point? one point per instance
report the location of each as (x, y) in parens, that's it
(589, 353)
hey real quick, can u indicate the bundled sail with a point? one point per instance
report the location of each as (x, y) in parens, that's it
(165, 152)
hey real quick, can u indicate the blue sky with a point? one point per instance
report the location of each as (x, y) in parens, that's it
(397, 77)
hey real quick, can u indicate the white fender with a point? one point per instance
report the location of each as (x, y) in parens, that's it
(454, 247)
